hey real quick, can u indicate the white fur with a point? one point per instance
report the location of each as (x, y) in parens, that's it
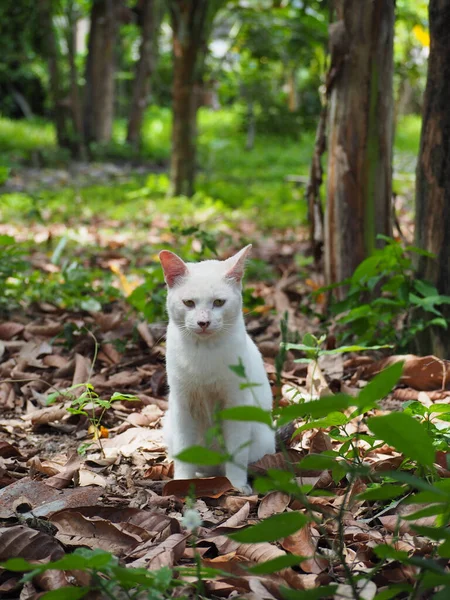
(198, 372)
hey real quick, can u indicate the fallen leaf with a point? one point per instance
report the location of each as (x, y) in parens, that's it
(23, 542)
(304, 543)
(273, 503)
(204, 487)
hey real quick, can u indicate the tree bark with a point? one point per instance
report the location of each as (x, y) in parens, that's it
(100, 67)
(360, 140)
(79, 148)
(191, 24)
(432, 225)
(57, 95)
(151, 16)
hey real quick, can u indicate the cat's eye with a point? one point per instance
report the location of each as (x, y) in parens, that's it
(218, 303)
(189, 303)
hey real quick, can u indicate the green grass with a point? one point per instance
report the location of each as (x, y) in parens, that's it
(230, 178)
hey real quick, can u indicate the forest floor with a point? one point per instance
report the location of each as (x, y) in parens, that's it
(86, 322)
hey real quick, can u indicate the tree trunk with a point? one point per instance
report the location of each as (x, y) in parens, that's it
(100, 67)
(59, 102)
(191, 24)
(433, 174)
(79, 148)
(360, 140)
(151, 17)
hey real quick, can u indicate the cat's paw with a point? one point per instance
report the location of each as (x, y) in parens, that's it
(243, 488)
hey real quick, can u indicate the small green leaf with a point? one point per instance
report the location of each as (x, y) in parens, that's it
(413, 481)
(385, 551)
(246, 413)
(66, 593)
(317, 462)
(385, 492)
(406, 435)
(333, 419)
(239, 369)
(325, 591)
(17, 565)
(201, 456)
(428, 511)
(317, 408)
(380, 386)
(271, 529)
(393, 591)
(277, 564)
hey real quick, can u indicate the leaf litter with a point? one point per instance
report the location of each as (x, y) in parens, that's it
(119, 495)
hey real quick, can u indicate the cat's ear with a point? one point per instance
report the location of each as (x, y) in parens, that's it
(237, 264)
(173, 267)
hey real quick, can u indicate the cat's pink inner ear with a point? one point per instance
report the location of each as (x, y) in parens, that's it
(173, 267)
(237, 264)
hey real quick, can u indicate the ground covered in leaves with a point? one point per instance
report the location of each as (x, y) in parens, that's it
(118, 494)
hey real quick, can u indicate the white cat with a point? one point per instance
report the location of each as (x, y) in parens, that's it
(206, 334)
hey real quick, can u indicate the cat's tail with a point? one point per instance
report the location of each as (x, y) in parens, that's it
(283, 436)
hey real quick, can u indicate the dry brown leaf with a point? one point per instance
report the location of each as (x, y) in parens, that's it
(27, 543)
(159, 472)
(135, 438)
(273, 503)
(165, 554)
(76, 530)
(7, 450)
(234, 503)
(319, 442)
(276, 461)
(367, 590)
(204, 487)
(42, 498)
(145, 334)
(82, 371)
(7, 395)
(304, 543)
(148, 415)
(316, 384)
(9, 329)
(46, 416)
(64, 478)
(419, 372)
(109, 355)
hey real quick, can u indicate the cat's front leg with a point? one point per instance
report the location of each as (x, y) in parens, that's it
(237, 440)
(180, 432)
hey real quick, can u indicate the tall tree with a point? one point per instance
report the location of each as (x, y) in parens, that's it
(56, 88)
(100, 67)
(191, 25)
(433, 173)
(360, 134)
(151, 14)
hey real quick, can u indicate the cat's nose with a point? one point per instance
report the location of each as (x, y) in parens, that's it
(204, 324)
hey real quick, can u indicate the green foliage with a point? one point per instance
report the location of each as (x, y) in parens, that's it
(89, 404)
(409, 432)
(385, 303)
(107, 577)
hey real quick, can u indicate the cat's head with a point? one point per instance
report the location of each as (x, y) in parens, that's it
(204, 299)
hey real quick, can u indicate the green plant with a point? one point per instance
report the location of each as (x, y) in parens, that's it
(384, 301)
(415, 482)
(106, 577)
(89, 404)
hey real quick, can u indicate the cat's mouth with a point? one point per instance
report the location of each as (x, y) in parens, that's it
(204, 332)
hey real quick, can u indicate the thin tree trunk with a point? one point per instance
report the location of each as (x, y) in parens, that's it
(100, 67)
(191, 24)
(79, 147)
(433, 174)
(56, 88)
(360, 139)
(151, 16)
